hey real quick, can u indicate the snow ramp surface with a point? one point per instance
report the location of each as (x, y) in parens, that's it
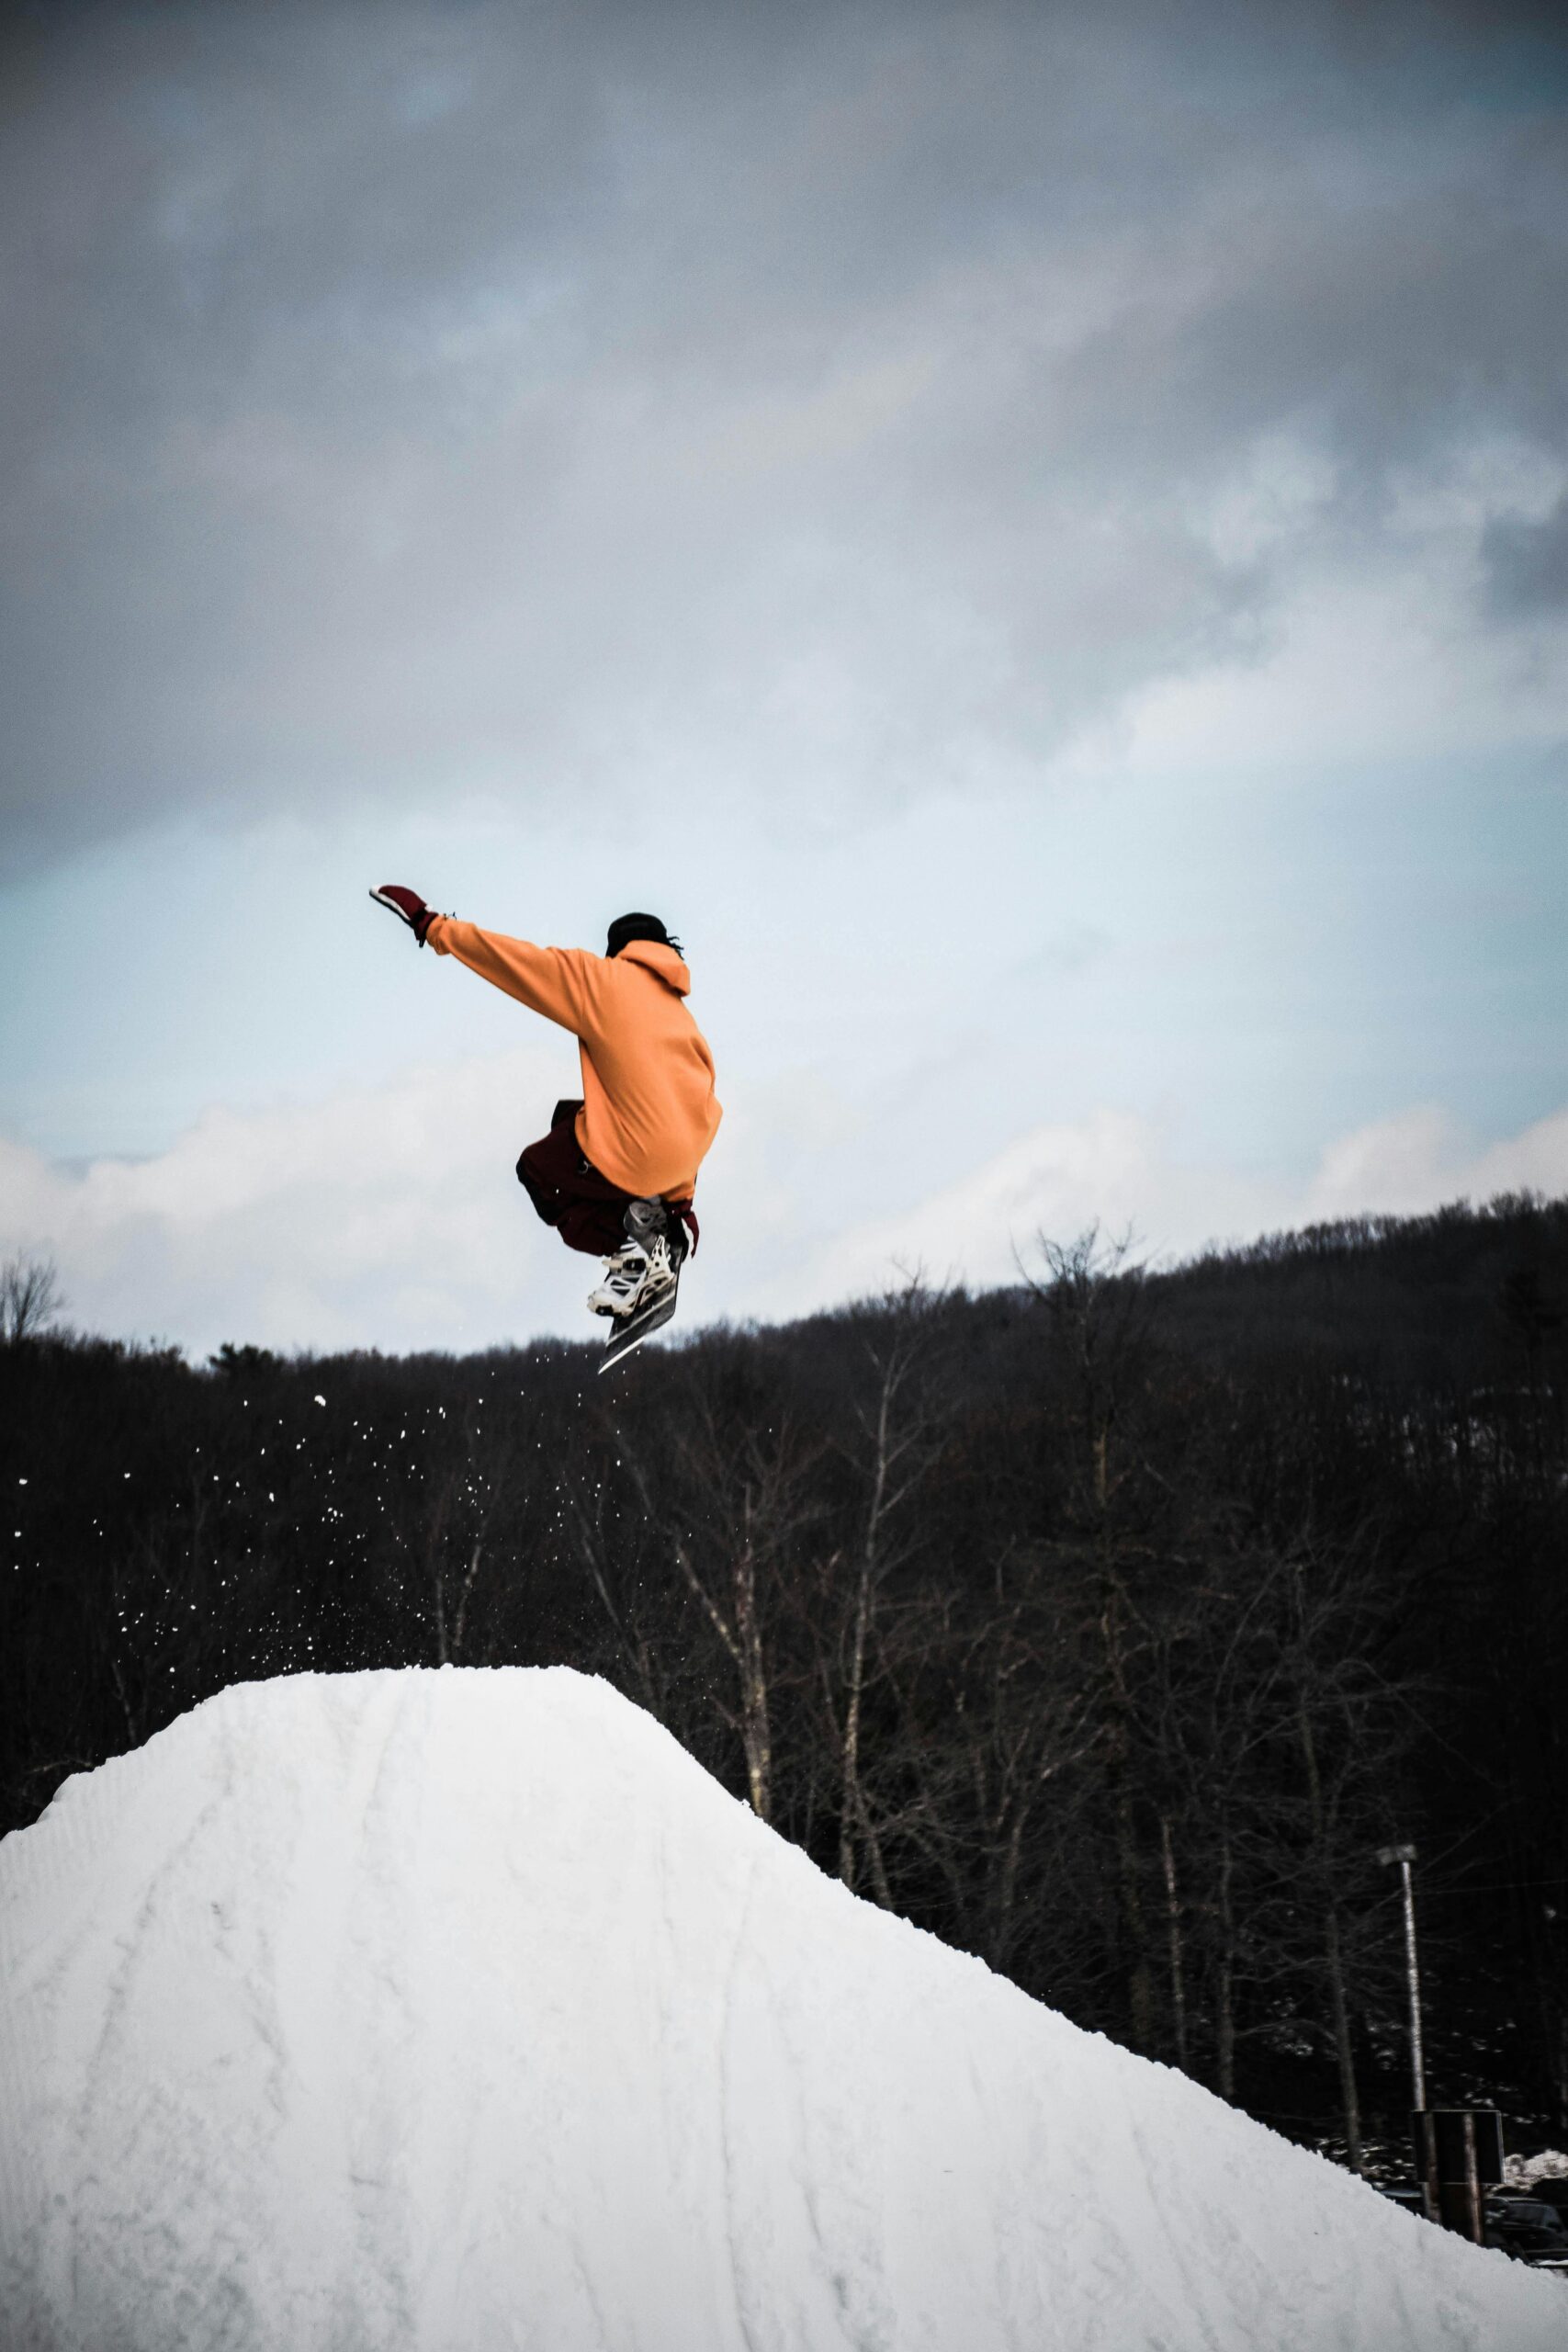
(463, 2011)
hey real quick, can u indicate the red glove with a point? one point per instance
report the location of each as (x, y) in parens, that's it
(408, 906)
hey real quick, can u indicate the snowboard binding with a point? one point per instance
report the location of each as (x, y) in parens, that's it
(646, 1263)
(641, 1280)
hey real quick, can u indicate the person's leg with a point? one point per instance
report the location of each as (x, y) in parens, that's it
(597, 1227)
(568, 1192)
(543, 1167)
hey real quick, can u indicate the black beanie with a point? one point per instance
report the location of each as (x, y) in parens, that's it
(626, 928)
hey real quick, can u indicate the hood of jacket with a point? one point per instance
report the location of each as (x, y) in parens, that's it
(661, 961)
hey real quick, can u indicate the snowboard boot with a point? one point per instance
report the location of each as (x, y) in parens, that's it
(645, 1263)
(620, 1286)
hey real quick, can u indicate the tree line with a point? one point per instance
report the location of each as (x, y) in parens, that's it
(1108, 1625)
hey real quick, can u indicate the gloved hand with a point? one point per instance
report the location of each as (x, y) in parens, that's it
(408, 906)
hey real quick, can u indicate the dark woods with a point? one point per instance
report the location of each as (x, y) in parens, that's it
(1106, 1627)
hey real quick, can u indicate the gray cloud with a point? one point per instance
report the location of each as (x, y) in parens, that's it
(1527, 563)
(500, 401)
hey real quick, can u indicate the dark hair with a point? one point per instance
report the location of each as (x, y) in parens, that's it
(626, 928)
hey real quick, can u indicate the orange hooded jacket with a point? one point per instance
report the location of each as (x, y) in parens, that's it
(648, 1112)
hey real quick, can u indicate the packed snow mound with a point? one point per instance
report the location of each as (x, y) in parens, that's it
(462, 2010)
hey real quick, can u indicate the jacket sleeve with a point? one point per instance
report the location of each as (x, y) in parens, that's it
(551, 980)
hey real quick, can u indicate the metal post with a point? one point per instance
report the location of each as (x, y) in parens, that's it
(1405, 1855)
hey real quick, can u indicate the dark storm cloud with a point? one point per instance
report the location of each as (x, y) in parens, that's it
(510, 399)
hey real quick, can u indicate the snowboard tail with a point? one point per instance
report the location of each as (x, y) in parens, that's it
(641, 1325)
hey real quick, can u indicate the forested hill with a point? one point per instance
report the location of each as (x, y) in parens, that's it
(1108, 1625)
(1463, 1295)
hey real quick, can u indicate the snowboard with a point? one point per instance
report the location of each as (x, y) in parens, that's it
(641, 1325)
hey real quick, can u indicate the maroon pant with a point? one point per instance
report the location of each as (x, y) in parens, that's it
(585, 1208)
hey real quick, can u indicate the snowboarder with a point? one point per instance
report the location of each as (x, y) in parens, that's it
(616, 1173)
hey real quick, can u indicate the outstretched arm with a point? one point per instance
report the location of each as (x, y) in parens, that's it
(550, 981)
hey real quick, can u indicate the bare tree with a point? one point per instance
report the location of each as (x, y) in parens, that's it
(746, 1498)
(1098, 1325)
(1276, 1739)
(30, 1296)
(896, 1445)
(471, 1498)
(1027, 1721)
(613, 1557)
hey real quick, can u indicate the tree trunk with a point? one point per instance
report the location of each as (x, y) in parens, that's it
(1333, 1945)
(1345, 2056)
(755, 1730)
(853, 1807)
(1007, 1888)
(1173, 1933)
(856, 1812)
(460, 1627)
(1225, 1998)
(1129, 1890)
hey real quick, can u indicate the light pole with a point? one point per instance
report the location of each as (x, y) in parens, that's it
(1405, 1855)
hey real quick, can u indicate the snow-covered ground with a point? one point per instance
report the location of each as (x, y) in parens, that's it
(464, 2011)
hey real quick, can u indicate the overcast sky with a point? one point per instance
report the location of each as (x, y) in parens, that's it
(1036, 538)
